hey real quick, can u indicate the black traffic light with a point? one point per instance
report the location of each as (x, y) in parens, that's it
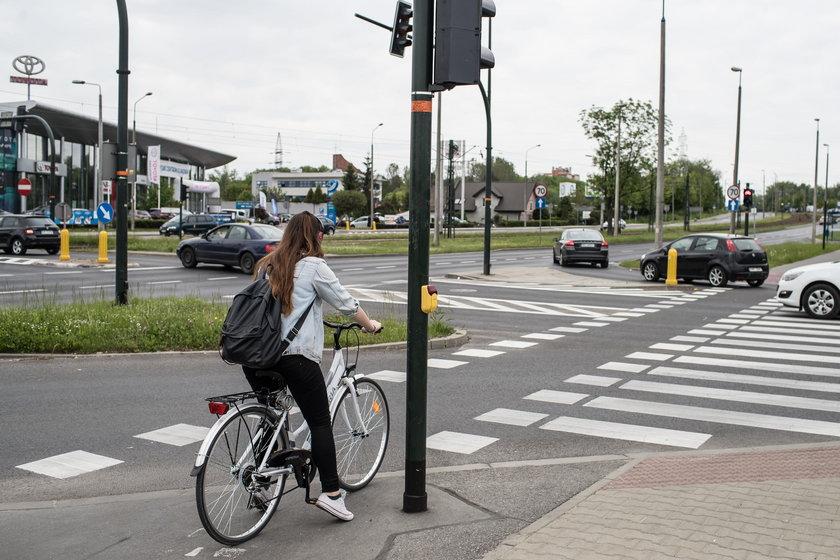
(183, 192)
(20, 122)
(748, 194)
(402, 27)
(459, 55)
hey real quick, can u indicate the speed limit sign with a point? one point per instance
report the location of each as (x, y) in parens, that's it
(733, 192)
(540, 191)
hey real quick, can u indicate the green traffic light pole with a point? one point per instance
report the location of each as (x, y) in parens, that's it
(414, 496)
(121, 283)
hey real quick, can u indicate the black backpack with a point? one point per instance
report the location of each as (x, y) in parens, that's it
(251, 334)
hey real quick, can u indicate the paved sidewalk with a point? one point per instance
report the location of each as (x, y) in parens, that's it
(755, 504)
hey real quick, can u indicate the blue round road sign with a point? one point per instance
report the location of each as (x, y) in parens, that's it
(104, 212)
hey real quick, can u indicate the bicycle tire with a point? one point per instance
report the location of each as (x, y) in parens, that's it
(359, 455)
(233, 505)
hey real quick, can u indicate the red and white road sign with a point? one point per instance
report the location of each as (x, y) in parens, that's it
(24, 187)
(540, 191)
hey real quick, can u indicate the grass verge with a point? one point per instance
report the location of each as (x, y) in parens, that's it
(144, 325)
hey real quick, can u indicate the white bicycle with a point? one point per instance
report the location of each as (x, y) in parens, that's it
(244, 462)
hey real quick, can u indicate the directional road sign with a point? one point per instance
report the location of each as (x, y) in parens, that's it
(539, 203)
(104, 212)
(732, 205)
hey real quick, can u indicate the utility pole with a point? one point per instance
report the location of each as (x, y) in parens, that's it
(660, 129)
(121, 273)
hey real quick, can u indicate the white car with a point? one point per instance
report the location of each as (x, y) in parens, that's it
(814, 288)
(621, 224)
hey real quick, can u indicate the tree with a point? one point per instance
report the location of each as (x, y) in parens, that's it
(394, 179)
(351, 179)
(349, 203)
(638, 147)
(704, 189)
(231, 185)
(503, 171)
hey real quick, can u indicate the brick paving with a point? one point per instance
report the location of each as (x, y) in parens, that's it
(746, 505)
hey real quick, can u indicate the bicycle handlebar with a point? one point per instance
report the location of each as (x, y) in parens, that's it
(345, 326)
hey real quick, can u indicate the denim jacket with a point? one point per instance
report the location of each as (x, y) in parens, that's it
(314, 280)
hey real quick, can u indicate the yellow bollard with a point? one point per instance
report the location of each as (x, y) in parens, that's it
(65, 245)
(373, 223)
(103, 247)
(671, 280)
(347, 224)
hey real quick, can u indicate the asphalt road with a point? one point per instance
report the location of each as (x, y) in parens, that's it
(565, 375)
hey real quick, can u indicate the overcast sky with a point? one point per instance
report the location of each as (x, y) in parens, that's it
(230, 76)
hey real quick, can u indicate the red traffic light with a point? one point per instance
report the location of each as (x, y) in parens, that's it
(747, 192)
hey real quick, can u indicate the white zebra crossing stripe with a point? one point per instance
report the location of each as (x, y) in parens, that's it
(513, 344)
(455, 442)
(624, 366)
(743, 379)
(671, 347)
(596, 380)
(628, 314)
(833, 349)
(542, 336)
(177, 435)
(511, 417)
(388, 375)
(556, 397)
(791, 322)
(478, 353)
(764, 336)
(591, 324)
(732, 395)
(444, 364)
(649, 356)
(706, 332)
(786, 330)
(761, 366)
(718, 416)
(71, 464)
(627, 432)
(568, 329)
(698, 339)
(718, 351)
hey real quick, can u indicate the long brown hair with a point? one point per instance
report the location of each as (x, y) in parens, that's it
(301, 238)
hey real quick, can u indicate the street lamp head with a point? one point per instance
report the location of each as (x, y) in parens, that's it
(736, 69)
(79, 82)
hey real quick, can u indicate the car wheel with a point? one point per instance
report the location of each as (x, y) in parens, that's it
(755, 283)
(717, 276)
(247, 262)
(563, 261)
(554, 256)
(821, 301)
(650, 271)
(16, 247)
(52, 250)
(331, 231)
(605, 263)
(188, 257)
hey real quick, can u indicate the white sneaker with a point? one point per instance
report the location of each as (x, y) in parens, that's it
(335, 506)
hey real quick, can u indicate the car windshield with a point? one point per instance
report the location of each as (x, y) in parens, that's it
(747, 245)
(265, 231)
(584, 234)
(40, 222)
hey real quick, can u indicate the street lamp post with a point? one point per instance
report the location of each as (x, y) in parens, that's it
(616, 229)
(98, 188)
(134, 163)
(825, 199)
(737, 145)
(816, 172)
(526, 194)
(370, 218)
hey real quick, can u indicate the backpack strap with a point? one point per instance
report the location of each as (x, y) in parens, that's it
(296, 328)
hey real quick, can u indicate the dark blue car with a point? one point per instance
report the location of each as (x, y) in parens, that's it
(232, 244)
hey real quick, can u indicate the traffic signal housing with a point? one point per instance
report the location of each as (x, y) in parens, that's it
(20, 124)
(459, 55)
(183, 192)
(402, 27)
(748, 197)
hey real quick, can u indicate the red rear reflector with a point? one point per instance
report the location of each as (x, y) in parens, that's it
(730, 246)
(604, 244)
(269, 248)
(219, 408)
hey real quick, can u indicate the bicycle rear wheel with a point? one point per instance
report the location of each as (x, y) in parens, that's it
(234, 503)
(361, 439)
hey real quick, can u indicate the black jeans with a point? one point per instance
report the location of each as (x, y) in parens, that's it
(306, 382)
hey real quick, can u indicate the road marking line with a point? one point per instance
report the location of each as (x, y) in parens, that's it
(96, 287)
(388, 375)
(70, 464)
(718, 416)
(833, 349)
(556, 397)
(649, 356)
(707, 332)
(591, 324)
(513, 344)
(510, 417)
(222, 278)
(732, 395)
(780, 330)
(734, 321)
(761, 366)
(719, 325)
(458, 443)
(624, 366)
(627, 432)
(388, 266)
(543, 336)
(351, 269)
(60, 273)
(763, 336)
(811, 325)
(701, 375)
(568, 329)
(596, 380)
(689, 339)
(672, 347)
(718, 351)
(178, 435)
(658, 306)
(444, 364)
(478, 353)
(23, 291)
(628, 314)
(164, 282)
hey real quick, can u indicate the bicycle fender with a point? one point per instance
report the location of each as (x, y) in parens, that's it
(201, 457)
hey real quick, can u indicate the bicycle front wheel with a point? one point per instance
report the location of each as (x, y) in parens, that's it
(234, 501)
(361, 425)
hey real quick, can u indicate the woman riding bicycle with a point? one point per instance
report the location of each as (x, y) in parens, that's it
(298, 275)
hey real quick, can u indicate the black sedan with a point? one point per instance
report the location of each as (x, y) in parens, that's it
(239, 245)
(581, 245)
(19, 233)
(719, 258)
